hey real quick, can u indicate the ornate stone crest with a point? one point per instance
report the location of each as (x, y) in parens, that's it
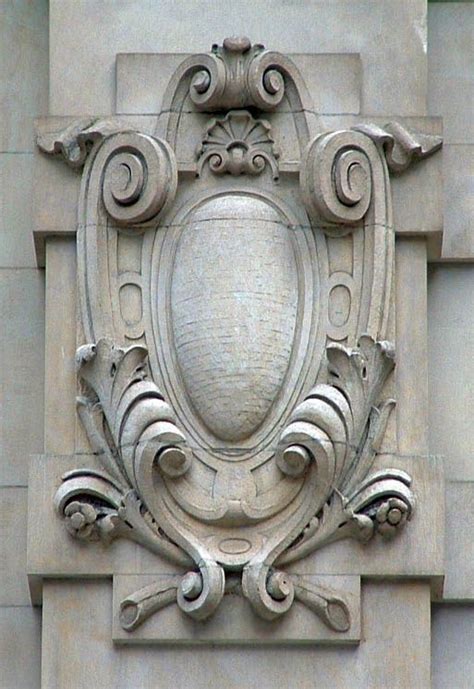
(235, 376)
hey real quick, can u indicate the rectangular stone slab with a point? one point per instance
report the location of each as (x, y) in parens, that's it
(234, 621)
(394, 651)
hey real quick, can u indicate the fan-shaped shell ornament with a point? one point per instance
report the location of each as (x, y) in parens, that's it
(238, 144)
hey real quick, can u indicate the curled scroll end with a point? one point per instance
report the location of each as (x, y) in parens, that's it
(74, 142)
(270, 592)
(402, 145)
(200, 593)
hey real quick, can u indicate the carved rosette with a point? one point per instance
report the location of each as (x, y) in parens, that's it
(235, 381)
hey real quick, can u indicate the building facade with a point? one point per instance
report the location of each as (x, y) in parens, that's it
(236, 440)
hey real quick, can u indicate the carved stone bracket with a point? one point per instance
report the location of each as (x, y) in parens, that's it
(239, 430)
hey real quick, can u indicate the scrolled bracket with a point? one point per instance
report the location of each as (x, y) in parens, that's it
(341, 171)
(336, 177)
(75, 142)
(236, 75)
(139, 177)
(402, 146)
(137, 173)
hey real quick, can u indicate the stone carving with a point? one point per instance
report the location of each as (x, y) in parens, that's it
(239, 144)
(236, 75)
(327, 604)
(236, 376)
(75, 142)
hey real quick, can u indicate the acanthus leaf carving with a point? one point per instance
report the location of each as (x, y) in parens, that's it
(340, 426)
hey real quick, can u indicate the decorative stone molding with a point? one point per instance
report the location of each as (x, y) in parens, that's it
(238, 144)
(236, 372)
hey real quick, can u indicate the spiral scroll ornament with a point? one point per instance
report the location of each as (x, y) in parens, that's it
(139, 177)
(337, 176)
(236, 75)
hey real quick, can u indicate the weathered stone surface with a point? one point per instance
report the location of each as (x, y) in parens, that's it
(20, 647)
(89, 606)
(451, 83)
(22, 367)
(459, 581)
(16, 218)
(13, 581)
(451, 367)
(412, 334)
(60, 341)
(395, 85)
(458, 239)
(391, 43)
(249, 432)
(23, 73)
(419, 552)
(336, 79)
(452, 637)
(450, 78)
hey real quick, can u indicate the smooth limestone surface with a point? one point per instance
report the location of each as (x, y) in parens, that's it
(393, 655)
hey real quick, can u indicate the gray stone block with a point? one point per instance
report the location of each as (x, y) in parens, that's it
(394, 652)
(452, 640)
(335, 81)
(13, 581)
(458, 169)
(450, 73)
(394, 28)
(23, 71)
(459, 581)
(20, 648)
(21, 366)
(16, 182)
(451, 367)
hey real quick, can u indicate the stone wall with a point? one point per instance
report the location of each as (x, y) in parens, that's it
(407, 59)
